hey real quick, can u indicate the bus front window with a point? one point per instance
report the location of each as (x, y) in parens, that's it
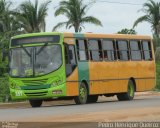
(35, 61)
(21, 64)
(47, 59)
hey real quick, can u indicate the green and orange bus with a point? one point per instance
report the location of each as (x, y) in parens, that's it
(46, 66)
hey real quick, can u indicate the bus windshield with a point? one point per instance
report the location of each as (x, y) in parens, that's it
(35, 61)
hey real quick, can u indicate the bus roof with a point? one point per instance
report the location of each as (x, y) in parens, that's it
(110, 36)
(87, 35)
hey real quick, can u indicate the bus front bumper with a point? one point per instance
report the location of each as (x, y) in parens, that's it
(58, 91)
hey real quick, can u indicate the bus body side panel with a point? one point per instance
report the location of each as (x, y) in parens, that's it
(151, 71)
(72, 83)
(96, 86)
(146, 74)
(127, 70)
(150, 75)
(140, 81)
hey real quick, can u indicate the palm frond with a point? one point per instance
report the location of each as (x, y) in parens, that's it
(59, 25)
(75, 12)
(140, 19)
(91, 19)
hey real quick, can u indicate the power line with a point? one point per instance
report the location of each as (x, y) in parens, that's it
(113, 2)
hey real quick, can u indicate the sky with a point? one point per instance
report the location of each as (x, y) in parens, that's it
(114, 16)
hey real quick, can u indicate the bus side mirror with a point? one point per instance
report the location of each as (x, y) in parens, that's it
(70, 54)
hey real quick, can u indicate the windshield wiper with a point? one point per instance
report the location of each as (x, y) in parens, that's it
(41, 49)
(25, 50)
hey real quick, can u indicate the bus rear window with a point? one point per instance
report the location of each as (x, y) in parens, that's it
(35, 39)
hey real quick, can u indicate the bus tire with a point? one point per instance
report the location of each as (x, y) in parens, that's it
(35, 103)
(92, 99)
(129, 95)
(83, 94)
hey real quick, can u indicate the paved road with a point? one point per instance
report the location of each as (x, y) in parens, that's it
(32, 114)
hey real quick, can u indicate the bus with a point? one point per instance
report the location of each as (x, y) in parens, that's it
(49, 66)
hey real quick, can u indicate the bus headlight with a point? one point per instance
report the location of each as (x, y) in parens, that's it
(14, 86)
(57, 82)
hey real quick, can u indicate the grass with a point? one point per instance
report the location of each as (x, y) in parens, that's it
(158, 75)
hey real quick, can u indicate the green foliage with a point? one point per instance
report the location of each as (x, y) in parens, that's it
(4, 89)
(156, 42)
(127, 31)
(152, 16)
(75, 11)
(31, 17)
(158, 75)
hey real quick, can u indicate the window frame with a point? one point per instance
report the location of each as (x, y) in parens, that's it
(114, 49)
(140, 50)
(149, 50)
(78, 50)
(128, 50)
(99, 41)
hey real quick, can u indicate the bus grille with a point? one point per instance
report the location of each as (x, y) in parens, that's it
(37, 93)
(34, 82)
(35, 87)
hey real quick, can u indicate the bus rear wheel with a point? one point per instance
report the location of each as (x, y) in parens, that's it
(92, 99)
(35, 103)
(83, 94)
(129, 95)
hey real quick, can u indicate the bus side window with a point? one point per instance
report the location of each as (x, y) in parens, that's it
(109, 50)
(70, 59)
(135, 50)
(123, 52)
(82, 50)
(147, 52)
(95, 49)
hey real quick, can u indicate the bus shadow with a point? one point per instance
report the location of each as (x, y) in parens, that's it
(98, 102)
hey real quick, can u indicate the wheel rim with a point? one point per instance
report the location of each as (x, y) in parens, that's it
(131, 90)
(83, 94)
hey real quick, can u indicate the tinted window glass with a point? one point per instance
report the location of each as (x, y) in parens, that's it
(72, 52)
(123, 52)
(147, 53)
(145, 45)
(93, 45)
(82, 50)
(122, 45)
(135, 50)
(107, 45)
(95, 50)
(108, 49)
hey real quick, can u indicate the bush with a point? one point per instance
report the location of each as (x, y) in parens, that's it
(158, 75)
(4, 89)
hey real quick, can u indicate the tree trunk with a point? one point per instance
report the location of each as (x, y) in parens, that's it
(76, 27)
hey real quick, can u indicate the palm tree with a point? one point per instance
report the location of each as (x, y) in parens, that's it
(75, 11)
(8, 25)
(5, 15)
(152, 15)
(32, 16)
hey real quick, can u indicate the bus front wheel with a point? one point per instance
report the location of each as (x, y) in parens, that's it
(129, 95)
(83, 94)
(35, 103)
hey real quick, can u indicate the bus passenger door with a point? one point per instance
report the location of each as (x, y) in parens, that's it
(71, 70)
